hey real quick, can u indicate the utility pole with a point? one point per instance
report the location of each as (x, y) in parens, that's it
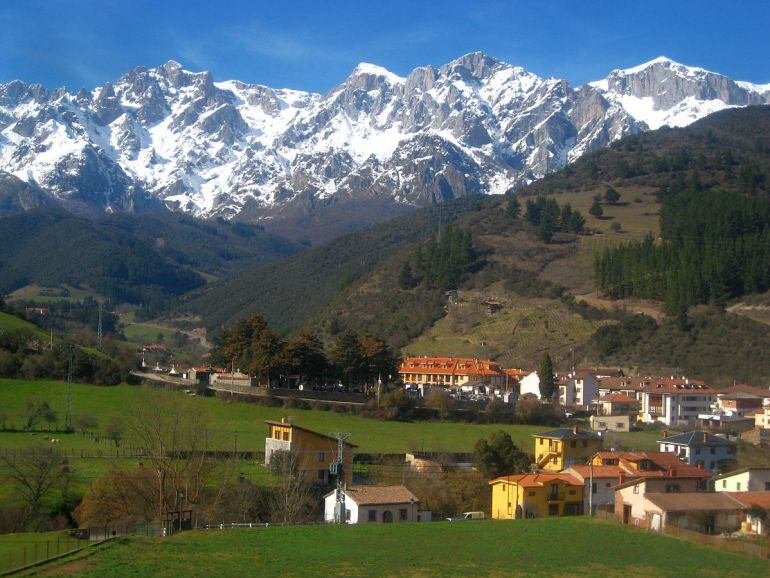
(68, 418)
(99, 329)
(338, 468)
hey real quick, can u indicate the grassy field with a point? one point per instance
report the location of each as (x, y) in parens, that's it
(142, 333)
(245, 420)
(12, 323)
(516, 336)
(542, 547)
(19, 549)
(41, 294)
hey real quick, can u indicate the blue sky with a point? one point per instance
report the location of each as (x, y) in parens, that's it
(314, 45)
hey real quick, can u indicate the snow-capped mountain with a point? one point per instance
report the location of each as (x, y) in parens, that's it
(169, 137)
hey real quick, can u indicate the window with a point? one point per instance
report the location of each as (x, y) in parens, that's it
(712, 450)
(712, 464)
(347, 515)
(697, 451)
(636, 489)
(554, 490)
(573, 444)
(593, 488)
(572, 492)
(738, 487)
(372, 515)
(585, 444)
(402, 514)
(724, 484)
(321, 456)
(608, 485)
(321, 474)
(531, 494)
(618, 424)
(673, 488)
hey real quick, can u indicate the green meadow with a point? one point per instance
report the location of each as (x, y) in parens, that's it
(242, 424)
(578, 547)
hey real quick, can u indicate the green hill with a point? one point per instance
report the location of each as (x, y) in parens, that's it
(148, 259)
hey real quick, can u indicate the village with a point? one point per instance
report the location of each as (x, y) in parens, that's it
(691, 484)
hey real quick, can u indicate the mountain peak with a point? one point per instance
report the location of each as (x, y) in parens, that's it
(663, 61)
(376, 70)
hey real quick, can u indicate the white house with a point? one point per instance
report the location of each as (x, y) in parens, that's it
(675, 401)
(756, 506)
(576, 388)
(530, 383)
(744, 480)
(375, 504)
(701, 449)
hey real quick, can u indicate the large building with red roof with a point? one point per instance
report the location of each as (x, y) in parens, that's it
(452, 372)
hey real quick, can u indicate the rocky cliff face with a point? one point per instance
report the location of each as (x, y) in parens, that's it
(167, 137)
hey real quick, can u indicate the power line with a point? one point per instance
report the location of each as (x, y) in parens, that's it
(99, 329)
(68, 418)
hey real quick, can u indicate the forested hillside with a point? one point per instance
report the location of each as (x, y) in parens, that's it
(149, 260)
(715, 247)
(289, 292)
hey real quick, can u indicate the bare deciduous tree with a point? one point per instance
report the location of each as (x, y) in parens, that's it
(36, 412)
(34, 473)
(114, 430)
(86, 422)
(175, 438)
(292, 499)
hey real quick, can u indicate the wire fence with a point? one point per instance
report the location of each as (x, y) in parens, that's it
(31, 552)
(28, 552)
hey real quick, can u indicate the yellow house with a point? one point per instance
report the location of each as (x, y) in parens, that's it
(536, 496)
(561, 448)
(315, 452)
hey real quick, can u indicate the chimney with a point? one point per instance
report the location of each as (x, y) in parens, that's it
(699, 465)
(574, 429)
(284, 420)
(665, 433)
(669, 472)
(705, 437)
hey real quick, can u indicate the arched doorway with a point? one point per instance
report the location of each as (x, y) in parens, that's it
(387, 516)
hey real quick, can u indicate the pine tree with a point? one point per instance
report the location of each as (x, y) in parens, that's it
(513, 208)
(596, 209)
(406, 279)
(547, 382)
(611, 196)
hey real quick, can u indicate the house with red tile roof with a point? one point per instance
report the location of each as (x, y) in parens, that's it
(536, 495)
(607, 469)
(675, 401)
(756, 509)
